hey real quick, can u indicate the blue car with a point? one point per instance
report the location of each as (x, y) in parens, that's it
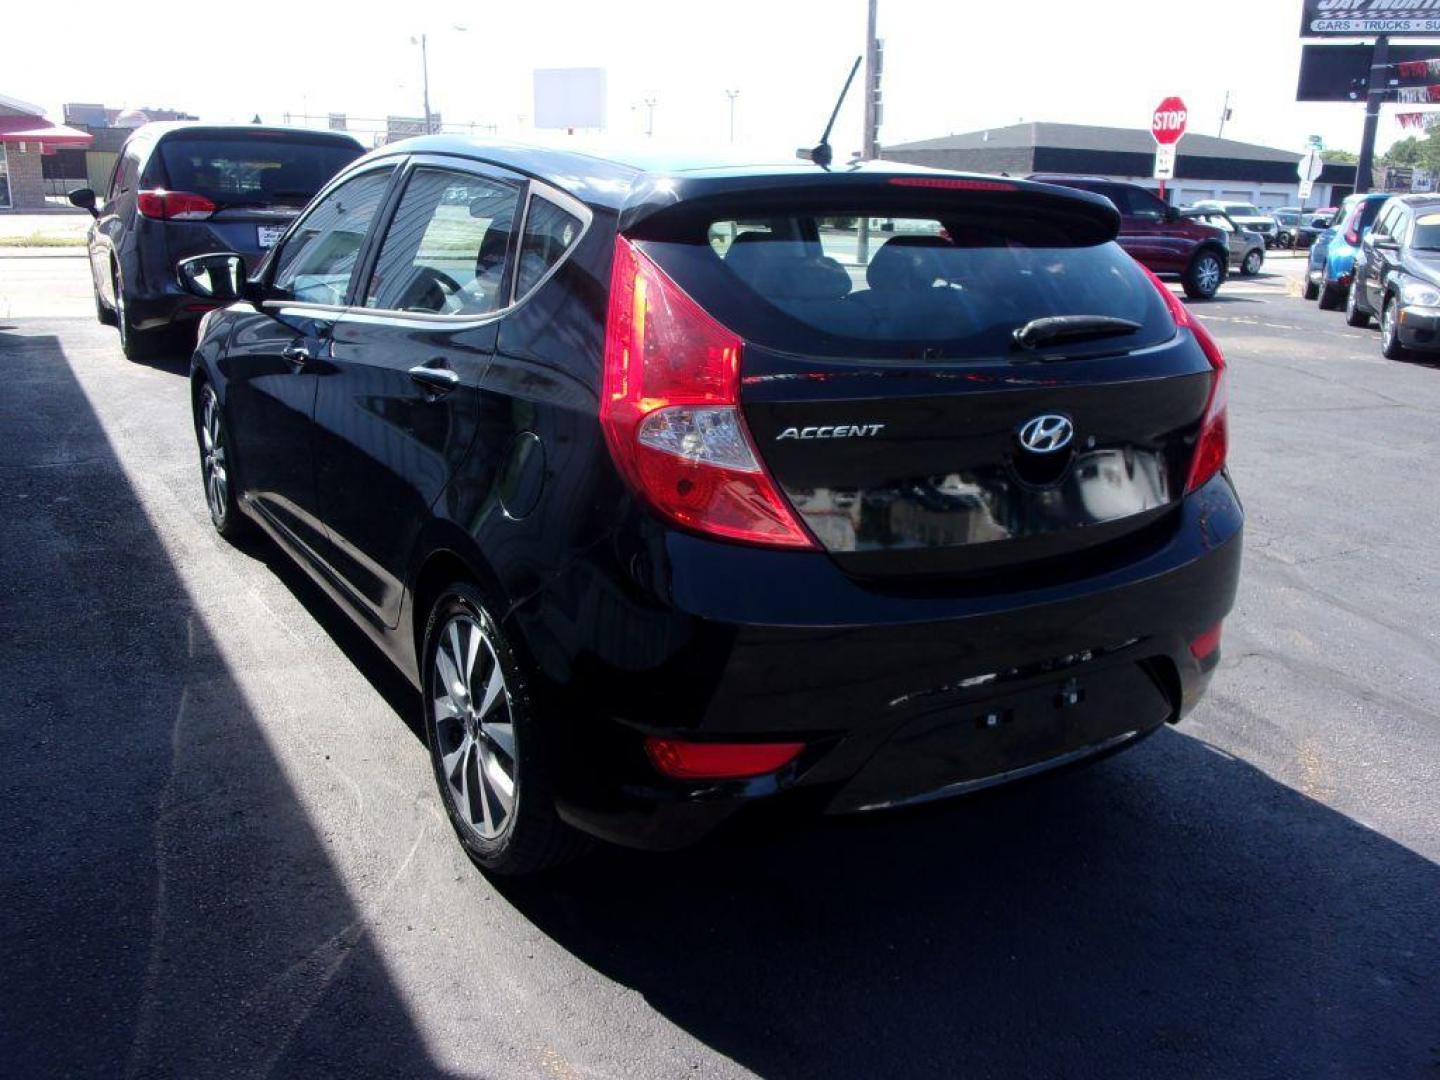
(1332, 256)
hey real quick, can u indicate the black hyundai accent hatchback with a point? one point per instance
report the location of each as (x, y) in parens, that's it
(677, 488)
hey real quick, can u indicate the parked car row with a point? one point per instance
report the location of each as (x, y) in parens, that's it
(1381, 260)
(670, 504)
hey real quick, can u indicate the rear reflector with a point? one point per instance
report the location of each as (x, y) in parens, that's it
(951, 183)
(1213, 445)
(1206, 644)
(163, 205)
(670, 411)
(681, 760)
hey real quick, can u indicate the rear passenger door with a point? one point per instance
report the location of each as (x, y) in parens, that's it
(397, 405)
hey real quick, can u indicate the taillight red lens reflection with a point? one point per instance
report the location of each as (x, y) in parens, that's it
(165, 205)
(1213, 445)
(1205, 644)
(683, 760)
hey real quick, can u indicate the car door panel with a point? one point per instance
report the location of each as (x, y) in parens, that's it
(397, 405)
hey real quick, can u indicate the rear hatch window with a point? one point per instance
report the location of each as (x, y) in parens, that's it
(967, 383)
(931, 288)
(259, 170)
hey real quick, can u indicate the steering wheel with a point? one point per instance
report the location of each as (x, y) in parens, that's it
(429, 290)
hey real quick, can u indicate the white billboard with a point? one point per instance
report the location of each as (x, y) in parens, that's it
(569, 97)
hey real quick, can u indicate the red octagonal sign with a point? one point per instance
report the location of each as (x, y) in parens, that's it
(1168, 122)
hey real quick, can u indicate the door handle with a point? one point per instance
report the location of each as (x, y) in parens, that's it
(437, 381)
(297, 354)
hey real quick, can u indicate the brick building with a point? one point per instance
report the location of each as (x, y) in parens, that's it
(26, 139)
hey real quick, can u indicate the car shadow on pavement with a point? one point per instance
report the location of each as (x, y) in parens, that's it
(169, 907)
(1170, 912)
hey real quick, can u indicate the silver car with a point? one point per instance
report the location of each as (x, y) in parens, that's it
(1247, 215)
(1247, 248)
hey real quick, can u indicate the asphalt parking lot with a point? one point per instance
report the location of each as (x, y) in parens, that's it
(224, 854)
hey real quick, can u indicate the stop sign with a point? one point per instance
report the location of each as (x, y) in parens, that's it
(1167, 123)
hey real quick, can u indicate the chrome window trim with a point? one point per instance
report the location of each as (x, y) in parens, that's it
(535, 189)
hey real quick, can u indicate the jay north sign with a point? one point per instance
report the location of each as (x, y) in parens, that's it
(1364, 18)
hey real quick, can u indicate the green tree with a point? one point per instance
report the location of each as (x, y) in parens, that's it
(1340, 157)
(1406, 151)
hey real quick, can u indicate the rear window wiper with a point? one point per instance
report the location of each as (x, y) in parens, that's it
(1051, 329)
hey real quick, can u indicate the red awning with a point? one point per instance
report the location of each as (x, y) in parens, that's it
(37, 129)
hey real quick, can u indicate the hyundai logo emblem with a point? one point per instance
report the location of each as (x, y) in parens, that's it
(1046, 434)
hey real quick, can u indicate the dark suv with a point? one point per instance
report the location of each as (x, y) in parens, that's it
(1397, 277)
(674, 491)
(1159, 236)
(182, 189)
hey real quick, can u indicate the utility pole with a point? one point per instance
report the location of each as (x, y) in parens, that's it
(425, 81)
(1376, 92)
(870, 143)
(1224, 115)
(732, 95)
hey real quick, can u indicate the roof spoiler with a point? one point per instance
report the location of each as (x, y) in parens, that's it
(683, 208)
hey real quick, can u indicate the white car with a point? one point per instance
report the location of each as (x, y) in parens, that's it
(1247, 215)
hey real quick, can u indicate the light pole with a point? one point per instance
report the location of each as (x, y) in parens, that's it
(423, 42)
(650, 104)
(732, 95)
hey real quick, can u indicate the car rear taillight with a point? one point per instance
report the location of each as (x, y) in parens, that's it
(670, 410)
(681, 760)
(165, 205)
(1214, 442)
(1352, 227)
(1204, 645)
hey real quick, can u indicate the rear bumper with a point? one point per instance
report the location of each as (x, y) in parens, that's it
(899, 698)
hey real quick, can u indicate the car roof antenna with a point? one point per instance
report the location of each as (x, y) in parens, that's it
(822, 154)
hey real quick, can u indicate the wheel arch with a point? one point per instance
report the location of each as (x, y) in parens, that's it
(445, 554)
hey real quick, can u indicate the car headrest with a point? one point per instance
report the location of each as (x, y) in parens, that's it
(905, 263)
(784, 270)
(491, 255)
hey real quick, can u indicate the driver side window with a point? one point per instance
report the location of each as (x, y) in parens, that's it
(1146, 206)
(319, 255)
(445, 250)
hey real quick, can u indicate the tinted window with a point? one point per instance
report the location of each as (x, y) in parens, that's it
(318, 257)
(444, 251)
(934, 287)
(1369, 210)
(258, 170)
(549, 232)
(1142, 204)
(1426, 234)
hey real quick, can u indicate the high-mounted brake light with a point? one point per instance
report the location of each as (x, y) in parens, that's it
(682, 760)
(165, 205)
(951, 183)
(670, 411)
(1213, 444)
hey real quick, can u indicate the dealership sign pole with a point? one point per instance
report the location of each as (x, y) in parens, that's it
(1167, 124)
(1309, 169)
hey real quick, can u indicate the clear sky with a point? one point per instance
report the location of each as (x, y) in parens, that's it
(950, 66)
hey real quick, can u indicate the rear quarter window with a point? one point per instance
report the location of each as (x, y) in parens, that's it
(929, 288)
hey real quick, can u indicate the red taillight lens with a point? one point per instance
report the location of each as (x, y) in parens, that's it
(670, 410)
(682, 760)
(165, 205)
(1205, 644)
(1213, 445)
(1352, 227)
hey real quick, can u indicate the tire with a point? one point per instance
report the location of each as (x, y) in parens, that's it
(474, 755)
(1252, 263)
(1353, 315)
(1332, 296)
(1390, 346)
(1204, 275)
(216, 472)
(137, 345)
(1284, 240)
(1312, 290)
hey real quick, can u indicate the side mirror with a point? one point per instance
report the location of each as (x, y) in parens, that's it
(84, 198)
(1172, 213)
(214, 277)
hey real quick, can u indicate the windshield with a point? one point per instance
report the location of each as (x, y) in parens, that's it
(257, 170)
(931, 288)
(1240, 209)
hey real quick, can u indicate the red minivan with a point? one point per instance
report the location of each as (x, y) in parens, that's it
(1157, 236)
